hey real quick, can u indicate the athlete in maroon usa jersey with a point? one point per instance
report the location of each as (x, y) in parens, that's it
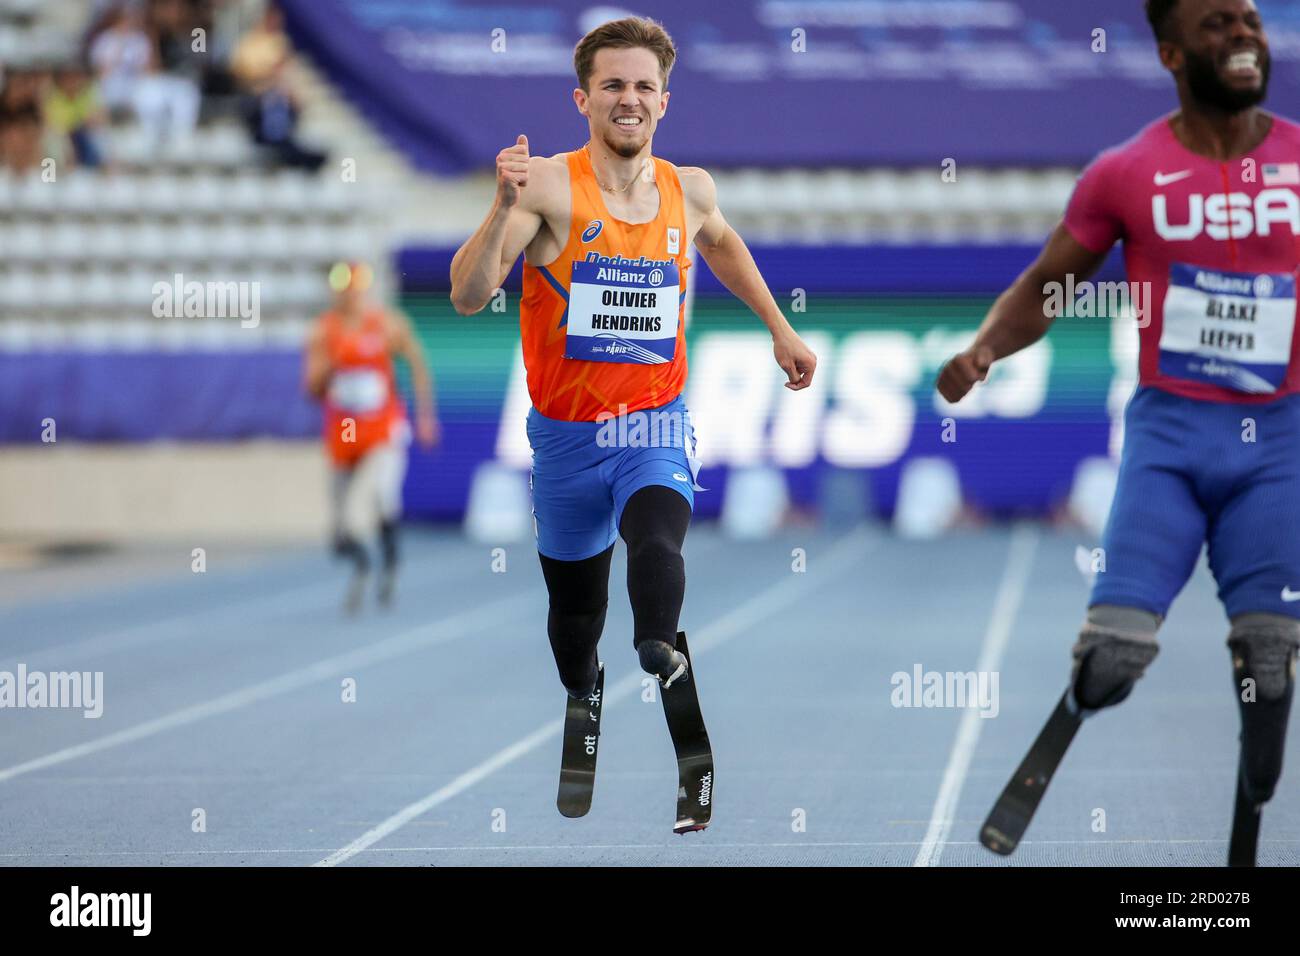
(1205, 201)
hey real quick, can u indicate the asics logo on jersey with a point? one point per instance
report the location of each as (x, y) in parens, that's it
(592, 230)
(1234, 215)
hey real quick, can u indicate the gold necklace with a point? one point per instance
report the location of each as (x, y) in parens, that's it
(613, 192)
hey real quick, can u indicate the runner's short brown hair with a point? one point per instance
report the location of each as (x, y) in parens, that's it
(627, 33)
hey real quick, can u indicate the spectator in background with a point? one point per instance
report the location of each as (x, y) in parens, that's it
(22, 124)
(229, 19)
(72, 110)
(261, 65)
(220, 21)
(125, 59)
(262, 53)
(119, 53)
(171, 24)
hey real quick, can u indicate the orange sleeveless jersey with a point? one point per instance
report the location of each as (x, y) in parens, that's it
(363, 386)
(579, 390)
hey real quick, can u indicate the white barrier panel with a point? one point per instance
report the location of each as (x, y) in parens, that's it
(844, 498)
(929, 498)
(500, 509)
(754, 503)
(1092, 493)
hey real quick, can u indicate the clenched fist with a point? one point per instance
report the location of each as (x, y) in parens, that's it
(963, 370)
(796, 360)
(512, 171)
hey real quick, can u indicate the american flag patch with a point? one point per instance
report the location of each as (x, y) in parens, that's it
(1282, 174)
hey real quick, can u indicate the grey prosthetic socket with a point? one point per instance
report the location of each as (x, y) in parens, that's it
(1263, 650)
(1114, 649)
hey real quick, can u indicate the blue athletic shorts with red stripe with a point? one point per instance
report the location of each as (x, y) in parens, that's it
(1195, 472)
(585, 472)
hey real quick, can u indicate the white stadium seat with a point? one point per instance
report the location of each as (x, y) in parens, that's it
(29, 242)
(150, 242)
(62, 291)
(290, 193)
(76, 191)
(205, 193)
(65, 241)
(164, 194)
(22, 291)
(742, 191)
(122, 194)
(99, 290)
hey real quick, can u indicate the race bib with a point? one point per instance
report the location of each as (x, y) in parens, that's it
(1231, 329)
(361, 391)
(623, 310)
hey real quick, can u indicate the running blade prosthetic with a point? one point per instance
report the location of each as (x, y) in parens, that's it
(1010, 817)
(578, 757)
(691, 741)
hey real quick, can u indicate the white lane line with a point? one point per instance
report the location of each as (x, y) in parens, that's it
(694, 846)
(1020, 556)
(316, 595)
(438, 632)
(839, 560)
(133, 635)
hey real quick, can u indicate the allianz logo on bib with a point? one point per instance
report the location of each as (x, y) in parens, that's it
(1234, 215)
(1260, 287)
(652, 273)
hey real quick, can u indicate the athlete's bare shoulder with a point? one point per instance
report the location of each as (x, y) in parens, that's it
(319, 330)
(548, 185)
(395, 323)
(703, 221)
(699, 189)
(547, 197)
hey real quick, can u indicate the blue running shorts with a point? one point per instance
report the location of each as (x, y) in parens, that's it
(1189, 475)
(585, 472)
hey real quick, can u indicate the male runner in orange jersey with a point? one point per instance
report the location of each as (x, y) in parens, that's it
(605, 231)
(349, 367)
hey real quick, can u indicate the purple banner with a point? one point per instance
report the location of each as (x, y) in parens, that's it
(770, 82)
(97, 395)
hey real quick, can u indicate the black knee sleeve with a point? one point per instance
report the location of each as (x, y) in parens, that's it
(579, 598)
(346, 546)
(1263, 650)
(388, 543)
(1114, 650)
(574, 636)
(654, 526)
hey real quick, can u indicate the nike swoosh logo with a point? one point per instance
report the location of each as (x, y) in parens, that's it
(1165, 179)
(1288, 595)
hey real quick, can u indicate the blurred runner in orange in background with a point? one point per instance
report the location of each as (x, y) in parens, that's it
(349, 367)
